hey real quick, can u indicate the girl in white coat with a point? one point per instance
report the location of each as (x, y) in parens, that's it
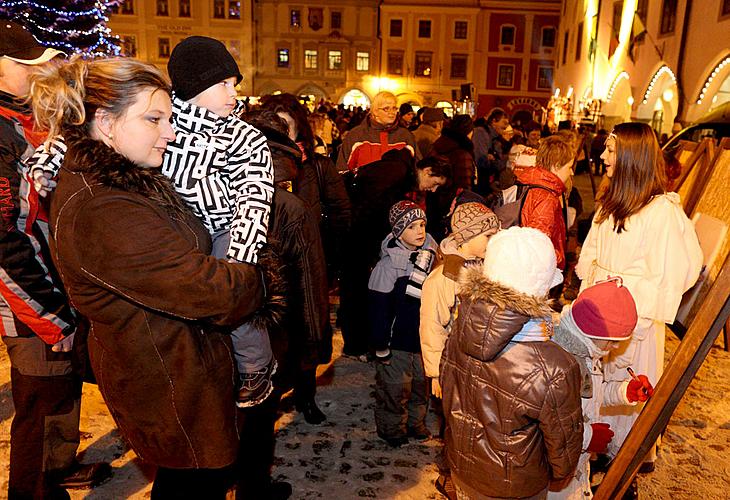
(641, 234)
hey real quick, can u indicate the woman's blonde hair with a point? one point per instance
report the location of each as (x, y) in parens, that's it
(638, 173)
(69, 94)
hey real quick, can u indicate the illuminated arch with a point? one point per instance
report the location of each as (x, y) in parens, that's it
(661, 71)
(621, 76)
(715, 72)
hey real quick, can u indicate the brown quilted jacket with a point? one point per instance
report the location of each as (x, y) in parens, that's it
(513, 409)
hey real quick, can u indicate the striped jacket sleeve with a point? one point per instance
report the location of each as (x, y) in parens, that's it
(31, 303)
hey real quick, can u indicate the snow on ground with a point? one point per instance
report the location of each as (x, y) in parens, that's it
(343, 458)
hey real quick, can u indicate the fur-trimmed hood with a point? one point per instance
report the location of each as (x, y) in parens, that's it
(496, 313)
(111, 169)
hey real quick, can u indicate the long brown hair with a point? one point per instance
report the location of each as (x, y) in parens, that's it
(638, 174)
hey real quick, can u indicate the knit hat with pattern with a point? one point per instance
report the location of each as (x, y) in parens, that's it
(199, 62)
(472, 219)
(402, 214)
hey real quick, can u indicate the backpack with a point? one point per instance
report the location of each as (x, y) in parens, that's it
(507, 204)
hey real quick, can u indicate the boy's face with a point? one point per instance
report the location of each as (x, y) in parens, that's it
(415, 234)
(475, 247)
(564, 172)
(220, 98)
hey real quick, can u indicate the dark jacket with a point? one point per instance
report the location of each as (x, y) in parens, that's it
(322, 190)
(376, 188)
(458, 150)
(369, 141)
(294, 234)
(136, 264)
(32, 299)
(513, 409)
(542, 209)
(395, 315)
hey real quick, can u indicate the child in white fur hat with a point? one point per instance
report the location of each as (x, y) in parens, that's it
(601, 317)
(510, 396)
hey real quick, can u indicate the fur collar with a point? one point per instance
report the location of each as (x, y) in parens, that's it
(476, 287)
(109, 168)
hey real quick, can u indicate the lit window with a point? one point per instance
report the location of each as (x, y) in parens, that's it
(310, 59)
(362, 62)
(458, 65)
(460, 30)
(505, 75)
(234, 9)
(163, 47)
(129, 45)
(424, 29)
(126, 7)
(162, 8)
(669, 17)
(295, 19)
(423, 64)
(334, 58)
(282, 58)
(336, 20)
(396, 27)
(184, 10)
(507, 35)
(395, 62)
(219, 9)
(544, 78)
(548, 37)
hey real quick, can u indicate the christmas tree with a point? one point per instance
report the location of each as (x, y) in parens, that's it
(73, 26)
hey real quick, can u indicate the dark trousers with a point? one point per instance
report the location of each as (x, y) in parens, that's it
(305, 386)
(44, 435)
(191, 483)
(401, 397)
(352, 313)
(256, 449)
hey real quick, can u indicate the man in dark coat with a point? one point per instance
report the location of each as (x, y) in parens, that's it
(373, 190)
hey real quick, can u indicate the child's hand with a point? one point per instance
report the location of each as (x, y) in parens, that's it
(639, 389)
(602, 435)
(436, 388)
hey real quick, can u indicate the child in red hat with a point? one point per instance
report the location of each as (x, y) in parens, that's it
(602, 317)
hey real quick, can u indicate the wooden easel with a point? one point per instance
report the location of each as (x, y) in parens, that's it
(695, 172)
(672, 385)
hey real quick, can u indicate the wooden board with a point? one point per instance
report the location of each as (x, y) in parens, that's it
(672, 385)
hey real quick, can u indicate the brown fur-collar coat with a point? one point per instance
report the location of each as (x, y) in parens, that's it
(513, 408)
(136, 264)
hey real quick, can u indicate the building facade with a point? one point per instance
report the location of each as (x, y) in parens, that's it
(318, 50)
(660, 62)
(150, 29)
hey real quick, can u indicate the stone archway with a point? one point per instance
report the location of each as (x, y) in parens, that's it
(312, 89)
(713, 90)
(619, 102)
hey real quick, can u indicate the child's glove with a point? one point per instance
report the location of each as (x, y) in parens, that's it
(639, 389)
(602, 435)
(383, 356)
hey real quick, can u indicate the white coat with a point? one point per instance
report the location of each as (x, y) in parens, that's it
(658, 257)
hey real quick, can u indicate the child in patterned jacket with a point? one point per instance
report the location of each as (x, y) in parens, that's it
(221, 167)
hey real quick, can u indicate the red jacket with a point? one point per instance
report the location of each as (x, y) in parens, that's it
(369, 141)
(542, 209)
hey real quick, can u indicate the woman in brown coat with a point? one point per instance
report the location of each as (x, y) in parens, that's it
(135, 262)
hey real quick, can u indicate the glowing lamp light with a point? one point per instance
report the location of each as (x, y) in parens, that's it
(712, 76)
(570, 92)
(663, 70)
(668, 95)
(621, 76)
(557, 92)
(630, 100)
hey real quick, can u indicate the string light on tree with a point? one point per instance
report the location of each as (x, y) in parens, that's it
(73, 26)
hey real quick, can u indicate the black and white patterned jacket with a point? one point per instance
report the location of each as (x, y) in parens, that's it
(222, 168)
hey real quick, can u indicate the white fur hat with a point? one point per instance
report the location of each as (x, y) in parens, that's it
(522, 258)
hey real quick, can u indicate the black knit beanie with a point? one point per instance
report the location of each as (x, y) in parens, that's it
(199, 62)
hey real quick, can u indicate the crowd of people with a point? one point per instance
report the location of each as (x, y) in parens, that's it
(177, 247)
